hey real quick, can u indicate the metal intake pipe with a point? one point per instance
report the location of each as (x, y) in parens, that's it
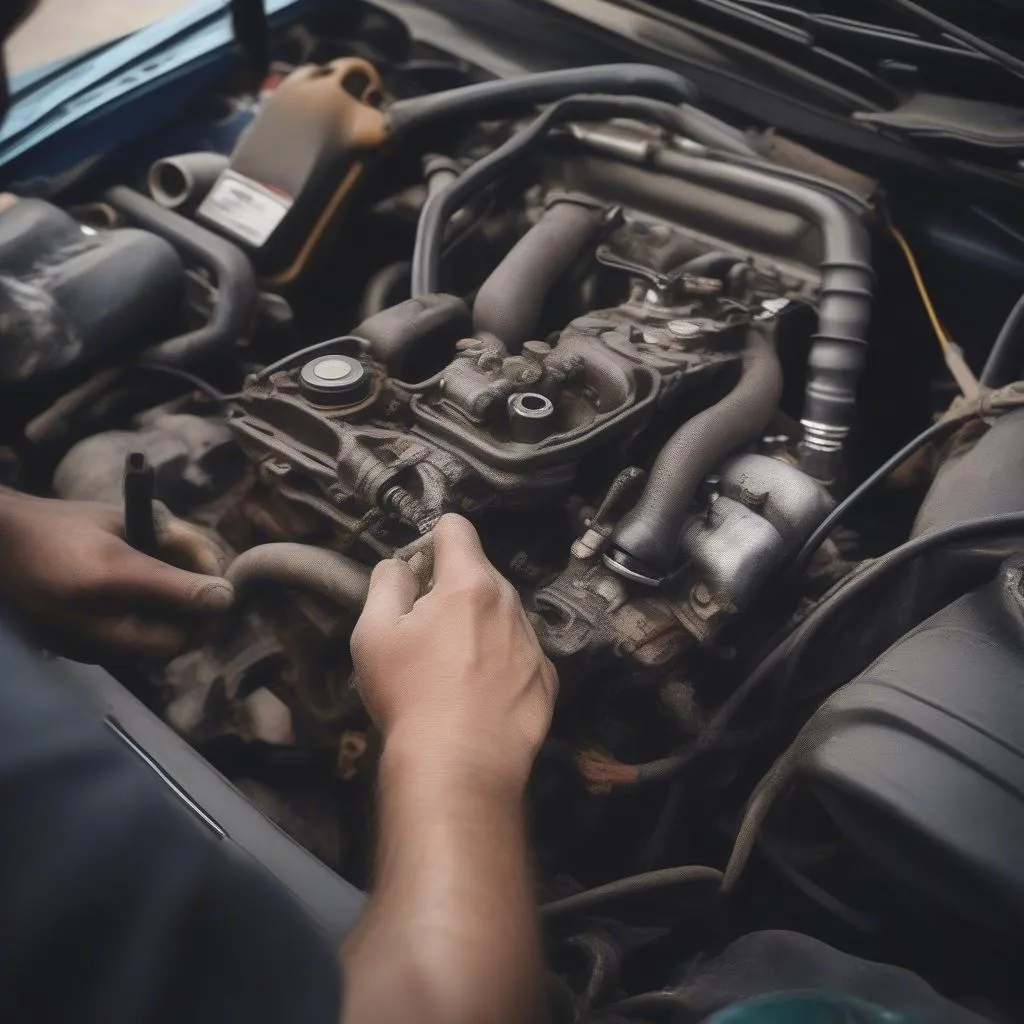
(645, 542)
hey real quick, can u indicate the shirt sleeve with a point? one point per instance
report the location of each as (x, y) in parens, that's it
(114, 905)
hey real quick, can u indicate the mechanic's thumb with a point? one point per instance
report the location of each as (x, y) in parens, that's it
(183, 545)
(458, 555)
(153, 581)
(393, 591)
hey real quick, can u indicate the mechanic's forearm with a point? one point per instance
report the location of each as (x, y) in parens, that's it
(450, 936)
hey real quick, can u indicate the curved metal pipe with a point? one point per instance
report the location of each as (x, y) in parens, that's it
(233, 274)
(644, 544)
(305, 567)
(182, 182)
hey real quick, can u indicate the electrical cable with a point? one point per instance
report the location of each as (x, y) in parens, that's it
(660, 1003)
(1014, 65)
(951, 352)
(1004, 362)
(808, 887)
(635, 885)
(198, 383)
(829, 523)
(794, 644)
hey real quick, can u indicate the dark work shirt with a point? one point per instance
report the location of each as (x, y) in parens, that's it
(114, 905)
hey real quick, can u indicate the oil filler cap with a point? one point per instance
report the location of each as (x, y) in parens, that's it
(334, 380)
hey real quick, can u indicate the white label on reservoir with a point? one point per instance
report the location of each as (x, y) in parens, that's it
(245, 208)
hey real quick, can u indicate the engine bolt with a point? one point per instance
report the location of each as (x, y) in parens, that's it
(684, 329)
(701, 596)
(753, 499)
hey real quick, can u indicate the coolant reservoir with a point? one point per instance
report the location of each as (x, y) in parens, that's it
(289, 178)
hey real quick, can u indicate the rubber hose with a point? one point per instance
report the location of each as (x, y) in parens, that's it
(439, 208)
(625, 888)
(305, 567)
(510, 301)
(183, 182)
(414, 328)
(1006, 359)
(838, 349)
(381, 288)
(233, 277)
(711, 264)
(645, 542)
(490, 98)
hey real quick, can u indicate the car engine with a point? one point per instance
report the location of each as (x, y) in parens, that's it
(629, 342)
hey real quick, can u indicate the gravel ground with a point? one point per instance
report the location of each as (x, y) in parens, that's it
(61, 27)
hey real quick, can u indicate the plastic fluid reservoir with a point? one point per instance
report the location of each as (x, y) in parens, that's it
(295, 166)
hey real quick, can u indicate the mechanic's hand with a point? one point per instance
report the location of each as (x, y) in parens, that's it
(457, 673)
(67, 571)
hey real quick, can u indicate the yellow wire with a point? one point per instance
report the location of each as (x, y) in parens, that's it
(954, 358)
(940, 331)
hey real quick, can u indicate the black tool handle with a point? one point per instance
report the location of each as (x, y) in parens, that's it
(139, 528)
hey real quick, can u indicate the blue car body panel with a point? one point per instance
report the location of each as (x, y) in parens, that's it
(67, 115)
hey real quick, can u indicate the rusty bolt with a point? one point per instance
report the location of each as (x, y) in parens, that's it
(754, 499)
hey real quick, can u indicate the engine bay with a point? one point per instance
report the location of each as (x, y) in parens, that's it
(651, 356)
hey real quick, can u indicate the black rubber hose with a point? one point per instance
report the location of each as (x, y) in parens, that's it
(593, 900)
(492, 98)
(233, 277)
(711, 264)
(416, 327)
(1006, 360)
(381, 289)
(438, 209)
(510, 301)
(644, 543)
(318, 570)
(838, 350)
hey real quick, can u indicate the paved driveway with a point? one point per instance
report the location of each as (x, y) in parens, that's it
(60, 27)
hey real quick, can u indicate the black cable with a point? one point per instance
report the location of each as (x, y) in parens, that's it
(815, 893)
(1007, 356)
(426, 260)
(811, 545)
(664, 1003)
(198, 383)
(624, 888)
(1007, 61)
(794, 644)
